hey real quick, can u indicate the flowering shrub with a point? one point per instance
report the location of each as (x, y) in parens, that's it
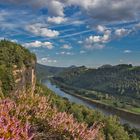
(10, 127)
(66, 124)
(48, 122)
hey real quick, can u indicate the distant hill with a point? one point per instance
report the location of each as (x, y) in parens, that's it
(121, 81)
(46, 71)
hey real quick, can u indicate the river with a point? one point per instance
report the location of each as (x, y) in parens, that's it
(58, 91)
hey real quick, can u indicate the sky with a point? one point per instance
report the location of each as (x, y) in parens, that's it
(74, 32)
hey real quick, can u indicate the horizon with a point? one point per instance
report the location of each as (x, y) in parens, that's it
(65, 32)
(93, 67)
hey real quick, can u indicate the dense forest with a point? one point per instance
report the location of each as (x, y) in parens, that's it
(44, 115)
(118, 85)
(120, 79)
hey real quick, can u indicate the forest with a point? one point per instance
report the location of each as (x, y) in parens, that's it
(117, 85)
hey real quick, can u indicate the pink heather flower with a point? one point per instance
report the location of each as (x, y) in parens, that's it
(10, 127)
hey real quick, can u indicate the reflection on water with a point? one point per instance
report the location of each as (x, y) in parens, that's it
(71, 98)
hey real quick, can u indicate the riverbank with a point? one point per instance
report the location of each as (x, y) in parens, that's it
(70, 90)
(125, 116)
(118, 112)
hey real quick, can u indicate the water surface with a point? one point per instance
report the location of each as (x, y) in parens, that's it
(74, 99)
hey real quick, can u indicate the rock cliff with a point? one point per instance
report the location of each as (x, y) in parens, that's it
(25, 78)
(17, 68)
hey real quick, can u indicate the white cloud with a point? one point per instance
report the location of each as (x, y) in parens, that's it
(39, 30)
(82, 52)
(137, 26)
(94, 46)
(121, 60)
(56, 20)
(2, 38)
(100, 39)
(66, 46)
(65, 53)
(127, 51)
(77, 22)
(100, 10)
(109, 10)
(46, 60)
(80, 42)
(101, 28)
(38, 44)
(14, 40)
(69, 53)
(3, 15)
(122, 32)
(55, 7)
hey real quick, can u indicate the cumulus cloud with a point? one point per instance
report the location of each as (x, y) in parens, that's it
(56, 20)
(106, 35)
(101, 10)
(109, 10)
(47, 60)
(98, 41)
(94, 40)
(38, 44)
(40, 30)
(55, 7)
(101, 28)
(122, 32)
(66, 46)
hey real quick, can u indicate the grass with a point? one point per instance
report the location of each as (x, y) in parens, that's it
(135, 109)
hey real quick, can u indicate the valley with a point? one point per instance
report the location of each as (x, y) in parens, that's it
(125, 117)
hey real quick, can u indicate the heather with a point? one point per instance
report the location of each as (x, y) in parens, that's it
(11, 128)
(30, 116)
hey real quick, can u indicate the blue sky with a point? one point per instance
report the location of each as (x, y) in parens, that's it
(74, 32)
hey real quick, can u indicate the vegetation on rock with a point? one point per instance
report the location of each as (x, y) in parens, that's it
(12, 55)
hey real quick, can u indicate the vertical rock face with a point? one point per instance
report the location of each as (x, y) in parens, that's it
(30, 78)
(1, 93)
(17, 68)
(25, 78)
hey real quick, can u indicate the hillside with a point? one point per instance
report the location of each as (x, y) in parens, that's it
(120, 79)
(46, 71)
(16, 67)
(118, 85)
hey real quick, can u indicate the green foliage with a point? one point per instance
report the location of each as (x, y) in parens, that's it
(119, 84)
(6, 78)
(14, 54)
(112, 129)
(43, 71)
(11, 55)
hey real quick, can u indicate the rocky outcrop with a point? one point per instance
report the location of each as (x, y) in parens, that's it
(25, 78)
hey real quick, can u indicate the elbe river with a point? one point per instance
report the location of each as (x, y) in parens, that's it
(58, 91)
